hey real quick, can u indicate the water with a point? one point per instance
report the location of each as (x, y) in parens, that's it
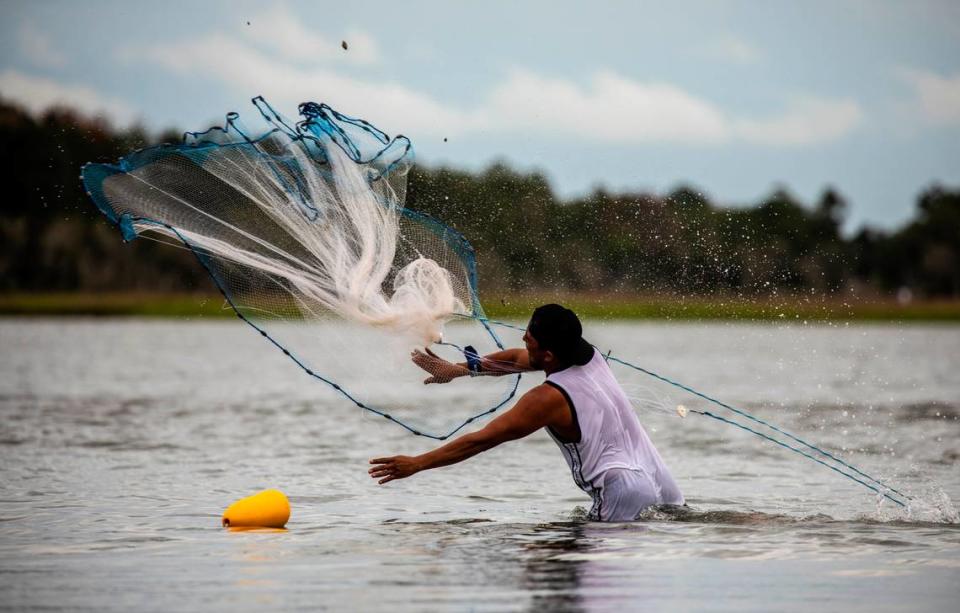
(122, 441)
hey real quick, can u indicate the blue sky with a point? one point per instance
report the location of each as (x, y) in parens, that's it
(734, 98)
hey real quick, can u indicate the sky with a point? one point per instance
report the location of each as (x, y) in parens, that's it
(733, 98)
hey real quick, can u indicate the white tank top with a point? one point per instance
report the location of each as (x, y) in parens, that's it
(610, 432)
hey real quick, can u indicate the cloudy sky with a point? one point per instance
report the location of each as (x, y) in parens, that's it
(732, 97)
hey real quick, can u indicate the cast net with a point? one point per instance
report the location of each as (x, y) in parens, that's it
(303, 229)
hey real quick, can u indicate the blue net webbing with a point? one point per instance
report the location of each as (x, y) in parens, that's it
(383, 163)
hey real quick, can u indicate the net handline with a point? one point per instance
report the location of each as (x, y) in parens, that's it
(753, 418)
(807, 455)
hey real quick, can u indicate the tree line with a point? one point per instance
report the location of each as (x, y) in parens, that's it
(526, 238)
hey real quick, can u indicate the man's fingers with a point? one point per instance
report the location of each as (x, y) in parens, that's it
(430, 353)
(381, 460)
(385, 480)
(382, 469)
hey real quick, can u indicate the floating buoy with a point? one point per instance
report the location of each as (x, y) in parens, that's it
(266, 509)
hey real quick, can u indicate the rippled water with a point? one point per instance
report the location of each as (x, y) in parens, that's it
(122, 441)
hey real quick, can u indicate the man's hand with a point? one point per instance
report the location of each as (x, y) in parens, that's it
(397, 467)
(441, 371)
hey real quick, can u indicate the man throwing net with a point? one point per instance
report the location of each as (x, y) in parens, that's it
(581, 405)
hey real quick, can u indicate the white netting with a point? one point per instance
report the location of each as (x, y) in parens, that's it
(308, 239)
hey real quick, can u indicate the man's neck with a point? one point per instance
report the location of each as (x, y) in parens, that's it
(549, 370)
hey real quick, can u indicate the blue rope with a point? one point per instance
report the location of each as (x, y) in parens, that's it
(753, 418)
(801, 452)
(126, 219)
(757, 420)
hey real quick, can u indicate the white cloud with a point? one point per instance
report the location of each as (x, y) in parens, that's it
(612, 109)
(282, 32)
(806, 121)
(733, 49)
(37, 94)
(937, 98)
(609, 108)
(38, 48)
(615, 109)
(251, 72)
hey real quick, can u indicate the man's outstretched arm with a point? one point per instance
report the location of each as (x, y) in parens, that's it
(505, 362)
(537, 408)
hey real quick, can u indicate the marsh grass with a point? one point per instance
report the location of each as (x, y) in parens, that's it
(789, 308)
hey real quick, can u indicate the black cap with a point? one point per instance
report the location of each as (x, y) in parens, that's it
(557, 329)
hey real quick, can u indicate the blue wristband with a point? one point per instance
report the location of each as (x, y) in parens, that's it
(473, 359)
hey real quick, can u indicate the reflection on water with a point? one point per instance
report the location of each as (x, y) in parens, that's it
(119, 453)
(576, 565)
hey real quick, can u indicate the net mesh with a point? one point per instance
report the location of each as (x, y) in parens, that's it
(303, 229)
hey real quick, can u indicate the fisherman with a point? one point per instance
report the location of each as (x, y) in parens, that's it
(580, 404)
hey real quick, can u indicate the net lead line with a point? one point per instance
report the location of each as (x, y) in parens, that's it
(126, 219)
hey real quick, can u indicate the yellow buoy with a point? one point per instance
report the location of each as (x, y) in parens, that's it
(266, 509)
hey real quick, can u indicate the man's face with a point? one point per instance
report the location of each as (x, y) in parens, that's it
(538, 357)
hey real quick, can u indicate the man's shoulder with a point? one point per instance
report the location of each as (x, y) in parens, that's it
(547, 395)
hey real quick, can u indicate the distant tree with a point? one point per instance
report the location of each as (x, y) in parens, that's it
(931, 243)
(526, 239)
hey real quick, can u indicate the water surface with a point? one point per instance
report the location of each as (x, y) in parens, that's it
(122, 441)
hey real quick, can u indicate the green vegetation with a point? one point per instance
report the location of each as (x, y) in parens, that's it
(636, 255)
(146, 305)
(792, 310)
(589, 307)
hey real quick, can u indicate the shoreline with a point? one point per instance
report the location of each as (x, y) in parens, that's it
(791, 308)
